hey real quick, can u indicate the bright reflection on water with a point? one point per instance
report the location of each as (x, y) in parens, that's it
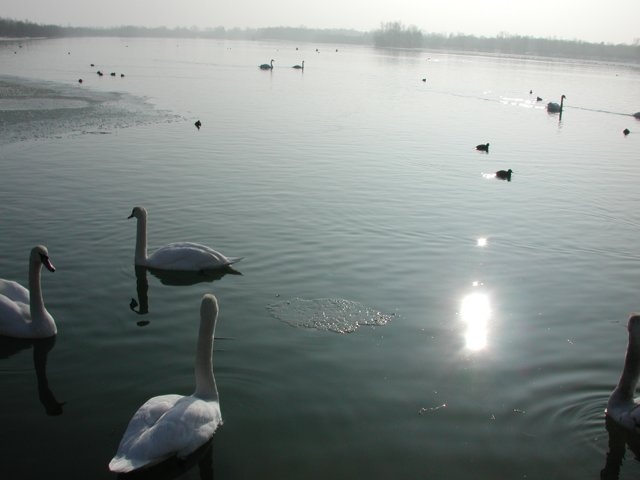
(475, 312)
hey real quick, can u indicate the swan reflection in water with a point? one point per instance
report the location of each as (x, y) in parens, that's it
(619, 439)
(173, 278)
(41, 348)
(174, 467)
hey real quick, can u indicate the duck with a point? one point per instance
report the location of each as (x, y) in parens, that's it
(176, 425)
(300, 67)
(22, 311)
(554, 107)
(626, 131)
(198, 124)
(182, 256)
(504, 174)
(483, 147)
(267, 66)
(538, 99)
(621, 407)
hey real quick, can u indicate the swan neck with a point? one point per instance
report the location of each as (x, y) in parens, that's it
(36, 303)
(205, 381)
(630, 372)
(141, 241)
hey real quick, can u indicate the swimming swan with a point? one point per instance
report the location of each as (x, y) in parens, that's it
(171, 425)
(554, 107)
(299, 67)
(22, 311)
(183, 256)
(621, 408)
(267, 66)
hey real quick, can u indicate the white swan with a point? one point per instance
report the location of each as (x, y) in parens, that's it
(22, 311)
(554, 107)
(171, 425)
(621, 407)
(183, 256)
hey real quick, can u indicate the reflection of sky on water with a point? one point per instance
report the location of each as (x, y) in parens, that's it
(475, 313)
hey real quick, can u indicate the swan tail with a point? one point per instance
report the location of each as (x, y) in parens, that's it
(233, 260)
(122, 465)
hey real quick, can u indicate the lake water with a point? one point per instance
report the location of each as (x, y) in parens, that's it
(399, 312)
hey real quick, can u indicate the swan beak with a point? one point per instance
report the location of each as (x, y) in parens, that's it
(47, 263)
(130, 216)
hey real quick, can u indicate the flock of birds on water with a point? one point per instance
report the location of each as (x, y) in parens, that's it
(177, 425)
(174, 425)
(166, 425)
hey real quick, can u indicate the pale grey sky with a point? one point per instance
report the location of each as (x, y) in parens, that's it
(612, 21)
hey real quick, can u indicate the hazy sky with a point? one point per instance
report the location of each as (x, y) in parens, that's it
(614, 21)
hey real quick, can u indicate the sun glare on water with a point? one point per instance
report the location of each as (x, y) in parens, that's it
(475, 313)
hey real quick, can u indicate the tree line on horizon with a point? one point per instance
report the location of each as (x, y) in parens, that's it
(389, 35)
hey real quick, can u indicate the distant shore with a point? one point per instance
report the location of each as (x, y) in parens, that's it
(389, 35)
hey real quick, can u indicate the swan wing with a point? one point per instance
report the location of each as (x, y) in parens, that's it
(130, 455)
(626, 414)
(15, 318)
(14, 291)
(187, 256)
(165, 426)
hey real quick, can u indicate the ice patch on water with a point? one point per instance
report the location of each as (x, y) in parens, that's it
(333, 314)
(31, 110)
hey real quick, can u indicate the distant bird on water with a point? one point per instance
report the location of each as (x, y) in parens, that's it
(483, 147)
(504, 174)
(554, 107)
(267, 66)
(637, 115)
(79, 80)
(538, 99)
(198, 124)
(300, 67)
(626, 131)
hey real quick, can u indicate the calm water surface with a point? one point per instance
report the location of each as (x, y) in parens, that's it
(371, 332)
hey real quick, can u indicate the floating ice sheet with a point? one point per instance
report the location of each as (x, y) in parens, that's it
(333, 314)
(31, 110)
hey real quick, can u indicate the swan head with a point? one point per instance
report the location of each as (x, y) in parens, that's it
(138, 212)
(209, 306)
(40, 255)
(634, 325)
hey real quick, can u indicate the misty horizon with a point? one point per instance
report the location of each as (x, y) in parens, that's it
(612, 22)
